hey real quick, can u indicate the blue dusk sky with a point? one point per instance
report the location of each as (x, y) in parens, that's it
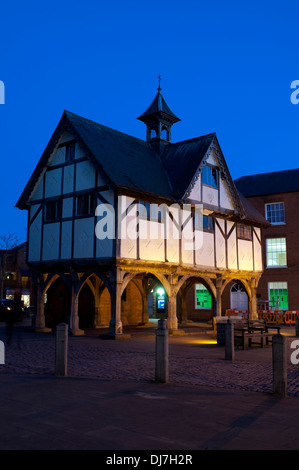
(226, 67)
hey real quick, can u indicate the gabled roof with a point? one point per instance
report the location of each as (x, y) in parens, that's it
(124, 161)
(158, 105)
(131, 163)
(269, 183)
(182, 159)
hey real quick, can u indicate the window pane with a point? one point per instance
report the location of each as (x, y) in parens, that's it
(275, 213)
(276, 252)
(210, 176)
(203, 297)
(278, 295)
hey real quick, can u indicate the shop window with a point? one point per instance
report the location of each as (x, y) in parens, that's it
(278, 295)
(203, 298)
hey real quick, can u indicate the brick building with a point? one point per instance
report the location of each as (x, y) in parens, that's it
(17, 276)
(276, 196)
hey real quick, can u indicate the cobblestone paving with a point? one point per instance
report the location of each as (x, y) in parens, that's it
(134, 360)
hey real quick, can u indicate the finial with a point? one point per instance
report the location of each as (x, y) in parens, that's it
(159, 78)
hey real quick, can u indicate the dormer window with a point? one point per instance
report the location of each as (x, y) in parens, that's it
(210, 176)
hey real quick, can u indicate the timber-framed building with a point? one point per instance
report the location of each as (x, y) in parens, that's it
(90, 280)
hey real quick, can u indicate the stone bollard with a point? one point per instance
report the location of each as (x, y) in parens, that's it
(61, 350)
(297, 326)
(279, 360)
(162, 373)
(229, 341)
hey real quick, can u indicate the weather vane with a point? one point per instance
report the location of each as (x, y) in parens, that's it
(159, 78)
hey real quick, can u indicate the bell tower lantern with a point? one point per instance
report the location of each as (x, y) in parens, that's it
(158, 119)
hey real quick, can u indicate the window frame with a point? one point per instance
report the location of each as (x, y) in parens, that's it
(70, 151)
(266, 212)
(277, 252)
(209, 176)
(55, 207)
(241, 232)
(278, 286)
(89, 205)
(207, 294)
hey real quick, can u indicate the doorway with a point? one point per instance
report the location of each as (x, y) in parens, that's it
(238, 297)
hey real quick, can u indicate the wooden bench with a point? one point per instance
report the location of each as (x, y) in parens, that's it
(251, 332)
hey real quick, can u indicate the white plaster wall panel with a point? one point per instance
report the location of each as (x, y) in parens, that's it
(108, 196)
(38, 189)
(258, 266)
(226, 200)
(124, 202)
(210, 195)
(187, 241)
(53, 183)
(85, 176)
(68, 179)
(205, 255)
(220, 248)
(84, 238)
(79, 152)
(232, 259)
(33, 210)
(173, 238)
(104, 248)
(35, 231)
(57, 157)
(127, 229)
(65, 137)
(245, 255)
(199, 244)
(66, 240)
(212, 158)
(67, 207)
(221, 222)
(101, 181)
(51, 242)
(151, 246)
(195, 194)
(258, 232)
(229, 225)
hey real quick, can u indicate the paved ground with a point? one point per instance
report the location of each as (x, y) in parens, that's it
(110, 400)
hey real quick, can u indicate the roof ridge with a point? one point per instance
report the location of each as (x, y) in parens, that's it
(194, 139)
(106, 127)
(266, 173)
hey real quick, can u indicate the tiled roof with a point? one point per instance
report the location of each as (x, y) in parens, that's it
(131, 163)
(269, 183)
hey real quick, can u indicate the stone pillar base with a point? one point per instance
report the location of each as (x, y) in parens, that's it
(176, 332)
(43, 330)
(78, 332)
